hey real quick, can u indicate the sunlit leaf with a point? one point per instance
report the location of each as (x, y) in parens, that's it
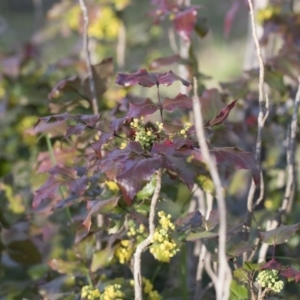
(101, 259)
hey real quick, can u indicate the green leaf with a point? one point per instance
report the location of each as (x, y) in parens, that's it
(279, 235)
(68, 267)
(238, 291)
(101, 259)
(193, 236)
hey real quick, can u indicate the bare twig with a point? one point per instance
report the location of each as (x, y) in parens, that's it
(121, 46)
(291, 170)
(222, 285)
(261, 115)
(87, 56)
(145, 243)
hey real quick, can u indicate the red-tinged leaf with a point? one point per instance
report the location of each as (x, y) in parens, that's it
(174, 160)
(185, 21)
(271, 264)
(222, 115)
(279, 235)
(48, 190)
(164, 61)
(54, 129)
(99, 206)
(230, 16)
(137, 110)
(97, 146)
(146, 79)
(117, 123)
(69, 84)
(234, 158)
(181, 101)
(101, 74)
(75, 130)
(137, 171)
(290, 273)
(64, 171)
(62, 155)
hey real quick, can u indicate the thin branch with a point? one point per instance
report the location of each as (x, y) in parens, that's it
(138, 295)
(261, 115)
(224, 273)
(88, 58)
(121, 46)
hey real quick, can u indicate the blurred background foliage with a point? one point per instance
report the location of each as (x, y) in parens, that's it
(41, 44)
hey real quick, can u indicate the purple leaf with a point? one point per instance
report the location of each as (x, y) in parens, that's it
(185, 22)
(76, 130)
(101, 74)
(192, 220)
(48, 190)
(271, 264)
(69, 84)
(146, 107)
(164, 61)
(234, 158)
(291, 273)
(146, 79)
(222, 115)
(279, 235)
(181, 101)
(97, 146)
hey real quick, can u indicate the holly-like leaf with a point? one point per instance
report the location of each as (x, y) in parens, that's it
(101, 73)
(164, 61)
(97, 146)
(238, 291)
(99, 206)
(24, 252)
(271, 264)
(194, 236)
(222, 115)
(233, 158)
(75, 130)
(185, 21)
(279, 235)
(146, 79)
(190, 221)
(48, 190)
(69, 84)
(101, 259)
(238, 249)
(291, 274)
(181, 101)
(88, 120)
(143, 108)
(68, 267)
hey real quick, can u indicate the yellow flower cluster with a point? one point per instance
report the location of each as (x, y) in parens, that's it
(145, 136)
(268, 13)
(133, 231)
(104, 24)
(124, 251)
(148, 290)
(89, 293)
(163, 245)
(182, 132)
(113, 292)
